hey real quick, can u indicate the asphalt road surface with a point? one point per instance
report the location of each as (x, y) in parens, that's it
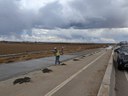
(76, 78)
(121, 83)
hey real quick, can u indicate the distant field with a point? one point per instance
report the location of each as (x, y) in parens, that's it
(11, 48)
(17, 47)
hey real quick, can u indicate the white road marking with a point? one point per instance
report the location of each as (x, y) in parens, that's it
(70, 78)
(126, 74)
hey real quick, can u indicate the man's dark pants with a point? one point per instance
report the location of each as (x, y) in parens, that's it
(57, 61)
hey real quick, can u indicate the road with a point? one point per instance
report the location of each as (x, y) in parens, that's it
(76, 78)
(18, 68)
(121, 83)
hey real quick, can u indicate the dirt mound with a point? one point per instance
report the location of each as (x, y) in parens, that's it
(22, 80)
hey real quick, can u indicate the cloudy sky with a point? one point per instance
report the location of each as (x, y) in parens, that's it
(64, 20)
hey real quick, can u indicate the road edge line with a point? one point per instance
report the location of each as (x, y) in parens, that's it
(105, 87)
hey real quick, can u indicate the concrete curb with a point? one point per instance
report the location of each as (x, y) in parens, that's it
(106, 88)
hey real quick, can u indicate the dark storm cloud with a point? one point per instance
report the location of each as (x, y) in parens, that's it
(84, 14)
(50, 16)
(13, 20)
(78, 14)
(101, 13)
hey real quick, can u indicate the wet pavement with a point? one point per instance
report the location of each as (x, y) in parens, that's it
(18, 68)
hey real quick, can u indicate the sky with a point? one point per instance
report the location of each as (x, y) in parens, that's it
(95, 21)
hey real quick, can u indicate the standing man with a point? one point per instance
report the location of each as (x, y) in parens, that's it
(57, 56)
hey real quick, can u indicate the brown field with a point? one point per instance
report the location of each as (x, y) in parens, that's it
(26, 47)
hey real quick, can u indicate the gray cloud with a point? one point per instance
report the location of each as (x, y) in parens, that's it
(76, 14)
(84, 14)
(50, 16)
(101, 13)
(79, 14)
(13, 20)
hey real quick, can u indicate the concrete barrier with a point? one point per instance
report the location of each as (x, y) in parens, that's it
(107, 87)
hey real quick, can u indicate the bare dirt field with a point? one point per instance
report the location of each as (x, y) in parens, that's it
(28, 50)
